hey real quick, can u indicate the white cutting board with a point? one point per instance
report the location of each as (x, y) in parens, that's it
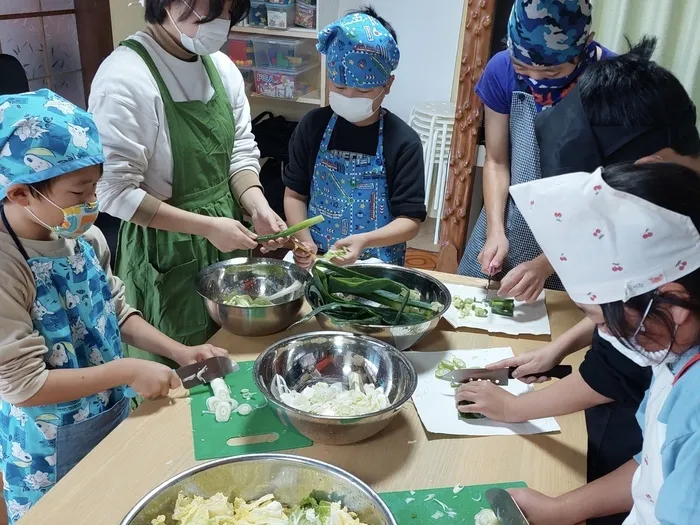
(435, 403)
(527, 318)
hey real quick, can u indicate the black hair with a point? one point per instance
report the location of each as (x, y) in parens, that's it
(631, 90)
(155, 10)
(43, 187)
(675, 188)
(371, 11)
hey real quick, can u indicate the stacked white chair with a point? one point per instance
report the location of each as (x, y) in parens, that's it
(434, 122)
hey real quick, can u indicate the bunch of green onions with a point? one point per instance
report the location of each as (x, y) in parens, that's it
(349, 296)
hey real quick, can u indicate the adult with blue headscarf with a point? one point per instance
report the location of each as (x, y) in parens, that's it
(355, 163)
(550, 44)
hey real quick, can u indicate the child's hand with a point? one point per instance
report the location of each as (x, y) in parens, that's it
(491, 400)
(538, 508)
(306, 256)
(355, 245)
(534, 362)
(151, 380)
(188, 355)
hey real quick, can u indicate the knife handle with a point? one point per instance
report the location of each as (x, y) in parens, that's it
(558, 372)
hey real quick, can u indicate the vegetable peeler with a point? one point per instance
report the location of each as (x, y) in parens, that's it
(205, 371)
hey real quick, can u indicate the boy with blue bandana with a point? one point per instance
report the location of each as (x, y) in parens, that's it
(63, 315)
(355, 163)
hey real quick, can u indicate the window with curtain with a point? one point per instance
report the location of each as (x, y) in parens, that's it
(673, 22)
(43, 36)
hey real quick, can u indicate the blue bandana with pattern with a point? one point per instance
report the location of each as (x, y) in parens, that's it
(43, 136)
(361, 53)
(549, 32)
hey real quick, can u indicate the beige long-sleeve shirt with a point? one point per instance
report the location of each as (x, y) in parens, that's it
(23, 371)
(129, 111)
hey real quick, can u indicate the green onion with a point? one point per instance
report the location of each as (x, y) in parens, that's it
(349, 296)
(308, 223)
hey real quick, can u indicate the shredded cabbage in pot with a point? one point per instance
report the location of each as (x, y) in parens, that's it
(333, 400)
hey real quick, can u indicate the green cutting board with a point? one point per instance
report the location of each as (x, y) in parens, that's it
(411, 507)
(211, 439)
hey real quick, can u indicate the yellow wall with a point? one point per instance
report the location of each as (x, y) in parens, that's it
(125, 19)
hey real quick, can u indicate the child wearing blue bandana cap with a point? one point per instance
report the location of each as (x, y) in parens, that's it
(550, 43)
(355, 163)
(63, 315)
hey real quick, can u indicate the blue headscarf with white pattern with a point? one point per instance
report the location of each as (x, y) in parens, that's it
(549, 32)
(360, 51)
(43, 136)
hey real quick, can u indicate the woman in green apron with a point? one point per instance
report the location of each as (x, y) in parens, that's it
(181, 162)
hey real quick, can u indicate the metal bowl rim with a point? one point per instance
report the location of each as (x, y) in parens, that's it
(424, 275)
(138, 507)
(413, 384)
(251, 260)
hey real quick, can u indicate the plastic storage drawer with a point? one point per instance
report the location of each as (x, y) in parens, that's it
(290, 54)
(258, 14)
(277, 83)
(240, 50)
(280, 16)
(305, 15)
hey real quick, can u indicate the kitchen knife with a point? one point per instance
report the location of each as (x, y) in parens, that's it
(505, 507)
(205, 371)
(501, 375)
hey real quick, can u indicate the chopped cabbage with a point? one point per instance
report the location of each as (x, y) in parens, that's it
(335, 401)
(196, 510)
(217, 510)
(486, 517)
(264, 511)
(245, 301)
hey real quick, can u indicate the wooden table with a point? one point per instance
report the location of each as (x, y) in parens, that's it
(155, 443)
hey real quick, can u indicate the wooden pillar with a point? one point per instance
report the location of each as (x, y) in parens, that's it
(92, 17)
(460, 183)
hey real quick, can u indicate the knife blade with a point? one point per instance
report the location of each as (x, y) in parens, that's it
(205, 371)
(505, 507)
(500, 376)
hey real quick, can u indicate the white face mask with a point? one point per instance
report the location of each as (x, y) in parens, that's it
(353, 109)
(210, 37)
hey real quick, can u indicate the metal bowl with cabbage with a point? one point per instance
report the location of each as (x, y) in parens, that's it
(335, 387)
(262, 489)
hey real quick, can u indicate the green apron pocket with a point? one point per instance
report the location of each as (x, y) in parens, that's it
(178, 310)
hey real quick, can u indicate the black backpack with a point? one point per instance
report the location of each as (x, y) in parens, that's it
(272, 135)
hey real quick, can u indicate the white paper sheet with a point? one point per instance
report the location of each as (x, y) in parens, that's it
(290, 258)
(527, 319)
(435, 403)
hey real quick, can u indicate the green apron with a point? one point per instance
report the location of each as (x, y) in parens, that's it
(160, 268)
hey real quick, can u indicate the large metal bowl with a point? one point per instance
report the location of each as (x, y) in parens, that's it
(289, 478)
(331, 357)
(255, 277)
(402, 337)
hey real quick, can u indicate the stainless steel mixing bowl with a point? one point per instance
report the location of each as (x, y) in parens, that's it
(402, 337)
(331, 357)
(254, 277)
(290, 478)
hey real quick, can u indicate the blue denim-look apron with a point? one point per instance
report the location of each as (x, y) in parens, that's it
(352, 193)
(75, 314)
(524, 167)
